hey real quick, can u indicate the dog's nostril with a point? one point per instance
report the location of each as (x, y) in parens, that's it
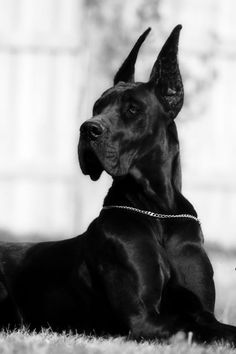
(91, 130)
(95, 131)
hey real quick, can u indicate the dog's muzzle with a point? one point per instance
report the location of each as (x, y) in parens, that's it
(91, 131)
(97, 151)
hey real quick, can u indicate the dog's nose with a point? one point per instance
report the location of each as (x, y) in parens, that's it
(91, 130)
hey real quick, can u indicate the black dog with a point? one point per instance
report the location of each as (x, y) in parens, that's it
(132, 272)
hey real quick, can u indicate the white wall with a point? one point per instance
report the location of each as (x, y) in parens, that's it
(50, 74)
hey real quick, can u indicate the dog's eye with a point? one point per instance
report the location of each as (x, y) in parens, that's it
(132, 109)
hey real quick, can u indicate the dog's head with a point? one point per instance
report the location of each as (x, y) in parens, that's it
(131, 118)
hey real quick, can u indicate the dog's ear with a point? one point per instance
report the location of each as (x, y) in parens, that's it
(126, 71)
(165, 75)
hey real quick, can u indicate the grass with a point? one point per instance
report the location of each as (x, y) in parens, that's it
(22, 342)
(47, 342)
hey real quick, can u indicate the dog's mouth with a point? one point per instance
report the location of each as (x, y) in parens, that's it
(89, 162)
(94, 159)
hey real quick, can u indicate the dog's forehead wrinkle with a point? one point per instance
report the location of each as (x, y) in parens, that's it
(113, 101)
(106, 100)
(121, 88)
(118, 88)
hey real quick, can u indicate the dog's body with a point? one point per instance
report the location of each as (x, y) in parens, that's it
(129, 273)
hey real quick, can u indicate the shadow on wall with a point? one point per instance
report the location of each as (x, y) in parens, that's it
(8, 236)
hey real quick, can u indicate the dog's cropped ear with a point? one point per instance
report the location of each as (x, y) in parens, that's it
(126, 71)
(165, 75)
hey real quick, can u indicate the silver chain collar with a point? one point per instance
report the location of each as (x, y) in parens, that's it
(154, 215)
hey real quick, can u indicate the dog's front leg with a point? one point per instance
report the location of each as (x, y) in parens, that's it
(193, 271)
(193, 292)
(134, 276)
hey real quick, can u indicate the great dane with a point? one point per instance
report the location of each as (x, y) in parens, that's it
(140, 269)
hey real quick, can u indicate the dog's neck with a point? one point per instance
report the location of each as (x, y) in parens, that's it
(149, 185)
(160, 181)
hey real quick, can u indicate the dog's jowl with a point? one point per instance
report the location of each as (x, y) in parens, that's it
(140, 269)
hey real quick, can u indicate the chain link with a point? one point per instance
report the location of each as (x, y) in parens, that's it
(151, 213)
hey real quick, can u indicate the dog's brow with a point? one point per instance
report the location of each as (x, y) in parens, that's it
(106, 100)
(130, 95)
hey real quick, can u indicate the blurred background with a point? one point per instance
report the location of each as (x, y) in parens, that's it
(57, 57)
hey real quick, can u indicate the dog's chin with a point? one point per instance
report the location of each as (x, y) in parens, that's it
(90, 164)
(116, 172)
